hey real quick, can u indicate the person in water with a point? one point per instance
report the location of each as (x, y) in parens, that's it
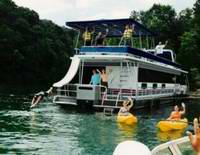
(176, 114)
(195, 140)
(127, 105)
(95, 79)
(39, 96)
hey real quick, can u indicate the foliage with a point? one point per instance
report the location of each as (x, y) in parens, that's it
(189, 54)
(164, 20)
(36, 52)
(182, 32)
(194, 78)
(32, 51)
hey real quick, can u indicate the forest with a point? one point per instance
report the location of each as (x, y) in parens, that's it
(181, 30)
(35, 52)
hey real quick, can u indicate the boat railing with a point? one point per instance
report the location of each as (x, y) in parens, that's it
(70, 90)
(144, 92)
(107, 94)
(104, 94)
(67, 90)
(118, 96)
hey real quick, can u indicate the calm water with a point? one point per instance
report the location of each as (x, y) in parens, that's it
(50, 129)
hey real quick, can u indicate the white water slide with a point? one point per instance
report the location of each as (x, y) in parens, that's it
(70, 74)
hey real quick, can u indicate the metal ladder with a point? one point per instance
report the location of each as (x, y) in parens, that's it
(108, 111)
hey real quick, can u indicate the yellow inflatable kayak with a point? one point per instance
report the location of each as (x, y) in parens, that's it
(129, 119)
(172, 125)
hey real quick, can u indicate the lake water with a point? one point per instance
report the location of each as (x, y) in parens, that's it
(51, 129)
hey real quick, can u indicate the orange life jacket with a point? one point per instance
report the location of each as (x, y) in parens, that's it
(176, 115)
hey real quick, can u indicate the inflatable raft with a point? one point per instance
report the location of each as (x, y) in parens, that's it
(129, 119)
(172, 125)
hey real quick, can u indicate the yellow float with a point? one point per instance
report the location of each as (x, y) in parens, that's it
(170, 135)
(128, 119)
(168, 125)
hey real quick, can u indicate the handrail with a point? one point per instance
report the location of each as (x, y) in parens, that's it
(119, 93)
(104, 94)
(70, 90)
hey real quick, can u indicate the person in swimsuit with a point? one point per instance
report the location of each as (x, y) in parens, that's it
(104, 77)
(195, 139)
(39, 96)
(176, 114)
(124, 111)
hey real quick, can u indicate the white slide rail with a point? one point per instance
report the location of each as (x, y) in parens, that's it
(70, 74)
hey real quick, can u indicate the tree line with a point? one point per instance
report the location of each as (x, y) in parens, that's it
(35, 52)
(181, 30)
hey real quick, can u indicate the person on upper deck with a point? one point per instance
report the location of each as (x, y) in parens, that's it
(177, 114)
(159, 48)
(127, 35)
(95, 79)
(124, 111)
(88, 37)
(99, 39)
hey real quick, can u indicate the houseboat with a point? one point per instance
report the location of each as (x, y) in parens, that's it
(139, 70)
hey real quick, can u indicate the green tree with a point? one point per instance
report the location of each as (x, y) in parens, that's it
(189, 54)
(197, 13)
(32, 51)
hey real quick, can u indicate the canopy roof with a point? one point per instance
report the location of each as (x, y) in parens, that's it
(116, 27)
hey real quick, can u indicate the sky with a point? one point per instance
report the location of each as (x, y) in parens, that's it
(60, 11)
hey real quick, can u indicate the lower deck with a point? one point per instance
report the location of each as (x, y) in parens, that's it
(99, 97)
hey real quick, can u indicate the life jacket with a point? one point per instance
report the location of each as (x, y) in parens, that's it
(128, 33)
(176, 115)
(87, 36)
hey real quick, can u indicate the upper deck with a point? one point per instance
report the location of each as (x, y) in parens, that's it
(126, 50)
(141, 45)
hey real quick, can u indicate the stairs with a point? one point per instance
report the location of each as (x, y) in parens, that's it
(108, 111)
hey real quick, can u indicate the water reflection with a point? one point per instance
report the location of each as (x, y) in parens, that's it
(169, 135)
(127, 130)
(51, 129)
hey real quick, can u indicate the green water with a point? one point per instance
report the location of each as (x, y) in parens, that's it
(51, 129)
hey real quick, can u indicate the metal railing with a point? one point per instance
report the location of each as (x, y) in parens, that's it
(70, 90)
(67, 90)
(145, 92)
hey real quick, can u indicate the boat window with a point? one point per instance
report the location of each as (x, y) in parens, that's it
(144, 85)
(165, 151)
(186, 149)
(147, 75)
(155, 85)
(163, 85)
